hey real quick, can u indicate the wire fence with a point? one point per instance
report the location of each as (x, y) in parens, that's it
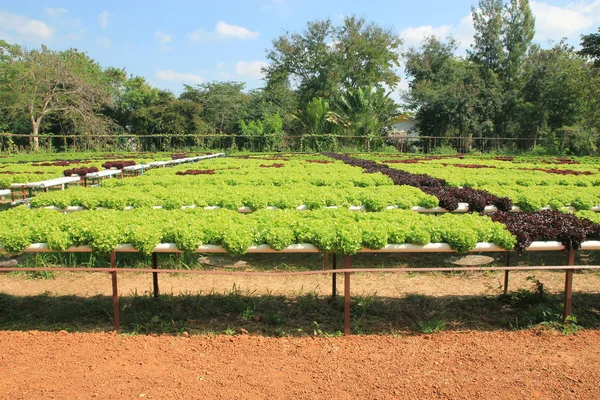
(11, 142)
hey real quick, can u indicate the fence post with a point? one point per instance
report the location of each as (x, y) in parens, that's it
(569, 285)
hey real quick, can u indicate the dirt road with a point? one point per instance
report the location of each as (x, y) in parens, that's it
(493, 365)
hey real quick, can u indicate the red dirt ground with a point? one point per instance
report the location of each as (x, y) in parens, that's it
(473, 365)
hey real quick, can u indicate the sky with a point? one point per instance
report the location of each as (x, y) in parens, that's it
(171, 43)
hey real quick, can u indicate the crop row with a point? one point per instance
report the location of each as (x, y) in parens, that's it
(329, 230)
(175, 196)
(449, 197)
(527, 186)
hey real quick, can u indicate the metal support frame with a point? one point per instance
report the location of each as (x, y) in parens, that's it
(334, 276)
(568, 307)
(347, 296)
(115, 290)
(347, 271)
(506, 273)
(156, 291)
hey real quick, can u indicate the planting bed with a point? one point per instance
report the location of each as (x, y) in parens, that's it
(144, 214)
(531, 183)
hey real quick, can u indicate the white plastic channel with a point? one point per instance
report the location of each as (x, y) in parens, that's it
(309, 248)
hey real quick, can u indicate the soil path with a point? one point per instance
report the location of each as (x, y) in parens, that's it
(496, 365)
(390, 285)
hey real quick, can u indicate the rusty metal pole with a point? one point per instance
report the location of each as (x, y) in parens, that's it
(155, 275)
(347, 296)
(325, 261)
(115, 295)
(569, 285)
(334, 276)
(506, 273)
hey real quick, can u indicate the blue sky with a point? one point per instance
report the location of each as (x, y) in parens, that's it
(175, 42)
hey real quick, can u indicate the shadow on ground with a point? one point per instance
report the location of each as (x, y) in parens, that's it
(237, 312)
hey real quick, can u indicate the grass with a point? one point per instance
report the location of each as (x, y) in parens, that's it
(235, 312)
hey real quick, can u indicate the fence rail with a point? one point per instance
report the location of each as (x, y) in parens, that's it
(347, 271)
(10, 142)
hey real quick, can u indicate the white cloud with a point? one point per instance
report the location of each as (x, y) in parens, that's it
(20, 28)
(179, 77)
(463, 33)
(234, 31)
(413, 37)
(554, 23)
(162, 37)
(104, 43)
(201, 36)
(223, 30)
(251, 69)
(103, 19)
(55, 12)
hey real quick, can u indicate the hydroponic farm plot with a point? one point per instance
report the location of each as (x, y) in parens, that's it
(290, 204)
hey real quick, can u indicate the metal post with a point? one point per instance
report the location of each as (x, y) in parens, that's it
(569, 285)
(334, 276)
(347, 296)
(155, 274)
(506, 272)
(115, 295)
(325, 261)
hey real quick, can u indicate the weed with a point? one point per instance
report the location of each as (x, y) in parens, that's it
(432, 326)
(247, 314)
(229, 331)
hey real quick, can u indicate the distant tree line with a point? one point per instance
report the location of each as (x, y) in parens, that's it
(506, 87)
(325, 87)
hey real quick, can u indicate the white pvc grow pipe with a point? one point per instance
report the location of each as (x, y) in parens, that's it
(48, 183)
(309, 248)
(103, 174)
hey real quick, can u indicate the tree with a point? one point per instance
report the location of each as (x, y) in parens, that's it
(487, 49)
(554, 93)
(265, 133)
(42, 83)
(315, 118)
(518, 32)
(447, 93)
(222, 103)
(326, 60)
(364, 111)
(132, 98)
(590, 47)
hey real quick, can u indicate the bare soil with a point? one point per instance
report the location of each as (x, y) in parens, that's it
(492, 365)
(389, 285)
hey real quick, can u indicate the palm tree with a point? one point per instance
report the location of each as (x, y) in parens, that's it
(364, 111)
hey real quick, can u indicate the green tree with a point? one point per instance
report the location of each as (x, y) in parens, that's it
(133, 97)
(518, 32)
(42, 83)
(590, 47)
(447, 93)
(222, 103)
(364, 112)
(488, 49)
(325, 60)
(554, 93)
(265, 133)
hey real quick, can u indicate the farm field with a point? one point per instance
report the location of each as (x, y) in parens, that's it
(531, 183)
(204, 331)
(316, 203)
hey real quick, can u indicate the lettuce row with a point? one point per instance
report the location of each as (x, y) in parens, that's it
(339, 230)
